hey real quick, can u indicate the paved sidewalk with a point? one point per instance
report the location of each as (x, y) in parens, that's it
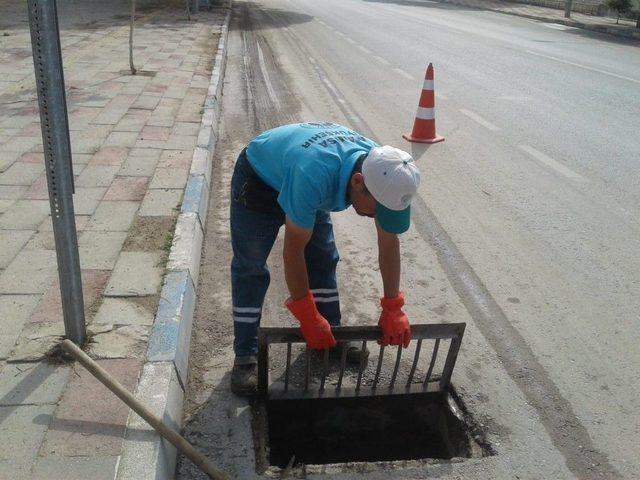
(133, 139)
(626, 28)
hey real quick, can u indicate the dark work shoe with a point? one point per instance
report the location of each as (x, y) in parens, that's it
(244, 379)
(354, 353)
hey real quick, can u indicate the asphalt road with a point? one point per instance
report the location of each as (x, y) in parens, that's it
(526, 226)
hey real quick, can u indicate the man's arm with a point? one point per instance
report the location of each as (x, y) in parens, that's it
(393, 321)
(295, 267)
(389, 261)
(315, 328)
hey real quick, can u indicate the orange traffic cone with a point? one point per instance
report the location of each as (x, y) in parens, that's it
(424, 127)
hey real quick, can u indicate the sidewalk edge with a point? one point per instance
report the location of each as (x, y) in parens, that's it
(145, 455)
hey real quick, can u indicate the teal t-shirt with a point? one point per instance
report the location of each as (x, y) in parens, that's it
(309, 164)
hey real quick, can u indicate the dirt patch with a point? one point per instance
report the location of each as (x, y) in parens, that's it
(150, 234)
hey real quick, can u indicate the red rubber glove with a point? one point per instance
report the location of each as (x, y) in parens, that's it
(315, 328)
(394, 322)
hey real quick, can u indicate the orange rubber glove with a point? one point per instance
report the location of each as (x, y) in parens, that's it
(394, 322)
(315, 328)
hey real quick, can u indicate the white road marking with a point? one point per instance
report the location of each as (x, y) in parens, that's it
(365, 49)
(340, 33)
(381, 60)
(351, 40)
(403, 73)
(558, 26)
(477, 118)
(551, 163)
(263, 66)
(591, 69)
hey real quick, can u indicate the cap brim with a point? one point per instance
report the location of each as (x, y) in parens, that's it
(393, 221)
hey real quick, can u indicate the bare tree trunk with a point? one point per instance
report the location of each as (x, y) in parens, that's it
(133, 18)
(186, 4)
(618, 19)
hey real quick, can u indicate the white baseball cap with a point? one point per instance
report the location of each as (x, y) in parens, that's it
(393, 178)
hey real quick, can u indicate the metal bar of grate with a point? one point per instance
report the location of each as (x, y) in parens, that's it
(433, 361)
(395, 368)
(352, 383)
(287, 368)
(378, 368)
(361, 366)
(416, 356)
(325, 369)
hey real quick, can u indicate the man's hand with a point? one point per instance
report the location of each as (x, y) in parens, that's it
(315, 328)
(394, 322)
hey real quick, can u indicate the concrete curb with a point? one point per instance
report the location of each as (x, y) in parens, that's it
(618, 32)
(146, 456)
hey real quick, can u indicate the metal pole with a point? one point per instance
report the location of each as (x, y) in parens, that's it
(47, 60)
(567, 8)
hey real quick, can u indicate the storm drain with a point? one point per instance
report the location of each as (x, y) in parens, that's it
(315, 409)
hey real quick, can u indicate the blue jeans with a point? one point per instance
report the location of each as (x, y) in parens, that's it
(253, 234)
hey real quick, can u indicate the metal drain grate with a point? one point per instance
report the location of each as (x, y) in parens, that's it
(331, 387)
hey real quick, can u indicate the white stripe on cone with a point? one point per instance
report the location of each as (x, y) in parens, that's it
(427, 85)
(426, 113)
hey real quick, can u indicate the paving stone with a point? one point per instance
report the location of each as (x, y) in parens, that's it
(99, 249)
(186, 128)
(155, 133)
(25, 215)
(5, 205)
(113, 156)
(15, 311)
(39, 190)
(33, 157)
(97, 176)
(17, 468)
(175, 158)
(177, 142)
(35, 340)
(87, 199)
(160, 202)
(90, 141)
(21, 174)
(32, 271)
(121, 139)
(12, 242)
(145, 153)
(21, 144)
(80, 117)
(54, 467)
(135, 274)
(42, 241)
(80, 220)
(113, 216)
(133, 121)
(7, 159)
(138, 167)
(12, 192)
(80, 159)
(90, 420)
(49, 310)
(169, 178)
(32, 383)
(127, 188)
(146, 102)
(126, 311)
(128, 341)
(22, 430)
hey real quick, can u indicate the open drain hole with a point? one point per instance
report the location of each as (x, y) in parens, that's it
(363, 429)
